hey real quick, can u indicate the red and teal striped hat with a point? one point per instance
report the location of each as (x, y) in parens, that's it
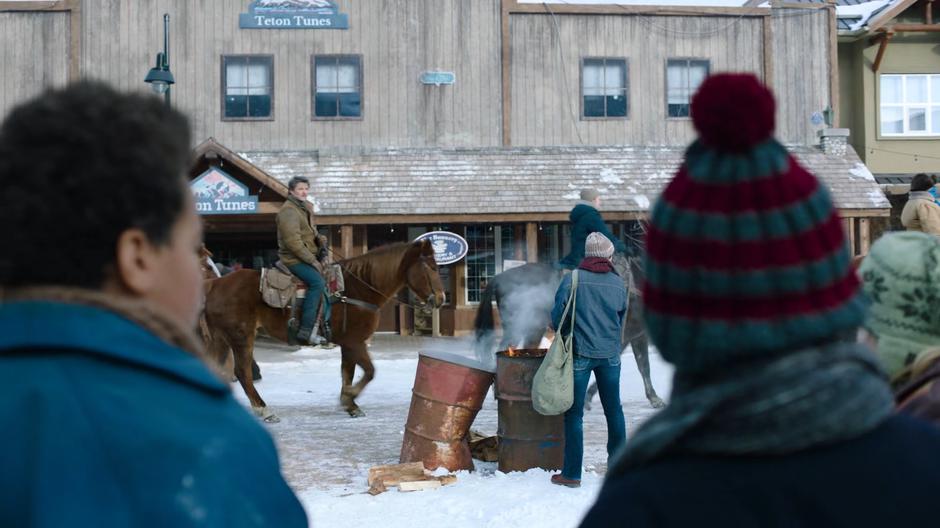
(746, 256)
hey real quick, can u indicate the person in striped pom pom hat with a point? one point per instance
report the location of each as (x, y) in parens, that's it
(777, 416)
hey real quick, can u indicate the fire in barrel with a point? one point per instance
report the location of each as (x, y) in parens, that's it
(527, 439)
(448, 392)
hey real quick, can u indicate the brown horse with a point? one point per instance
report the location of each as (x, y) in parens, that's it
(235, 310)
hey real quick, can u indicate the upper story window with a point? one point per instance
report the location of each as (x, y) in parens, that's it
(337, 87)
(248, 87)
(604, 88)
(683, 77)
(910, 105)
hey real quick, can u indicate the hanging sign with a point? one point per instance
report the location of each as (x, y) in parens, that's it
(218, 193)
(448, 247)
(293, 14)
(438, 78)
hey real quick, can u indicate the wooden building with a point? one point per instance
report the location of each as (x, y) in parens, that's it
(482, 117)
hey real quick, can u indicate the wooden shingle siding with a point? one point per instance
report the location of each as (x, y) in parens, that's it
(801, 71)
(546, 86)
(398, 40)
(34, 55)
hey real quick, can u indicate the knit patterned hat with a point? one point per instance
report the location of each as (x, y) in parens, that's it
(901, 275)
(597, 245)
(746, 256)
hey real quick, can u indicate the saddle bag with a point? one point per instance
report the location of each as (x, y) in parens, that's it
(277, 288)
(334, 279)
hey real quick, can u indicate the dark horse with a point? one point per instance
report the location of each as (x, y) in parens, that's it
(525, 296)
(234, 312)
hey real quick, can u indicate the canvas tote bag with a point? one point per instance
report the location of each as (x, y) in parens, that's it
(553, 384)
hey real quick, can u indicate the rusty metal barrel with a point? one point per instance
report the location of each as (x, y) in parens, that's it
(527, 439)
(448, 392)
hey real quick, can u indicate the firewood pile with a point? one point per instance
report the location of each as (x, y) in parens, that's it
(406, 477)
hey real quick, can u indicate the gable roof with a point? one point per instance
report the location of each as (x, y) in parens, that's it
(542, 182)
(211, 149)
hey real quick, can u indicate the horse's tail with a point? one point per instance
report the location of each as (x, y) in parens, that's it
(484, 324)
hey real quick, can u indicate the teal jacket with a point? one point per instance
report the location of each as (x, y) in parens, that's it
(108, 425)
(585, 219)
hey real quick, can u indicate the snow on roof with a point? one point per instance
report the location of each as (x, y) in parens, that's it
(711, 3)
(534, 180)
(857, 16)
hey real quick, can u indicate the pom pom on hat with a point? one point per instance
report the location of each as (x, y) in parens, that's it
(733, 112)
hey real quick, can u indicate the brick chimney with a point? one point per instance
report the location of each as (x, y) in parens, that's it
(834, 141)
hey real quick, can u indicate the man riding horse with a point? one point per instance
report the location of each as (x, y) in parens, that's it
(302, 249)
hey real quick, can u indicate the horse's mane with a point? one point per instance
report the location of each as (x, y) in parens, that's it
(380, 264)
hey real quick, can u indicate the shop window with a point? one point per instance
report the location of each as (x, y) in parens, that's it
(604, 88)
(248, 87)
(337, 87)
(481, 259)
(683, 77)
(909, 105)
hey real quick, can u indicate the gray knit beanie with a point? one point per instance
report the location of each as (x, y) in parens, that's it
(597, 245)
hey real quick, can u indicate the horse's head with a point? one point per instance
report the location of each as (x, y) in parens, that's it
(209, 270)
(421, 275)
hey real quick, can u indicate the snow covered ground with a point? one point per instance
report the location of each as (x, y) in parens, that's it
(325, 455)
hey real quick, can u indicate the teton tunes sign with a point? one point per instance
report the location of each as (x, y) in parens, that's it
(218, 193)
(293, 14)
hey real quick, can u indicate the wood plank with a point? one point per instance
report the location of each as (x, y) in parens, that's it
(532, 242)
(613, 9)
(834, 63)
(345, 234)
(419, 485)
(392, 474)
(60, 5)
(75, 39)
(864, 236)
(768, 55)
(505, 63)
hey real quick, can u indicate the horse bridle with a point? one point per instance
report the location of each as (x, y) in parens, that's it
(356, 302)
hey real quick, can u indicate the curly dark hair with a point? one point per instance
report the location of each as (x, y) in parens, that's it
(922, 182)
(79, 166)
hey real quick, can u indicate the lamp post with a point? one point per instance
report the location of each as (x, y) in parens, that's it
(159, 77)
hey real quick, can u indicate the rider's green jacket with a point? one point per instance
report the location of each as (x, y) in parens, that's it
(297, 236)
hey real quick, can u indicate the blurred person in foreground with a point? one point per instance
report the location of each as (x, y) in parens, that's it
(115, 419)
(901, 275)
(777, 417)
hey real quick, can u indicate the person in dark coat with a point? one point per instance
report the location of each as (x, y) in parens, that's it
(600, 310)
(113, 418)
(586, 219)
(777, 416)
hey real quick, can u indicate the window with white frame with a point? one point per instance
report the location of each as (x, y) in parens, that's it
(910, 105)
(683, 77)
(604, 88)
(248, 84)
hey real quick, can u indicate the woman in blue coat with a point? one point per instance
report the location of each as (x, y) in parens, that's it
(112, 417)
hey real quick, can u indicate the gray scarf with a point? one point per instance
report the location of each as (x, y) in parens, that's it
(816, 396)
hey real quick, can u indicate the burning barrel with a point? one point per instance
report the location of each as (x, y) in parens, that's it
(527, 439)
(448, 392)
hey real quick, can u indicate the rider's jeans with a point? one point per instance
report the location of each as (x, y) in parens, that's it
(607, 373)
(315, 292)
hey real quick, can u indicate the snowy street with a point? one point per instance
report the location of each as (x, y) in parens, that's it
(325, 455)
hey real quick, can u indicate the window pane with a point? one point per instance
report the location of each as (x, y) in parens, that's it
(678, 110)
(892, 120)
(593, 106)
(481, 260)
(258, 75)
(593, 76)
(615, 77)
(326, 75)
(348, 74)
(935, 120)
(326, 104)
(259, 106)
(236, 76)
(617, 105)
(697, 73)
(935, 89)
(236, 106)
(677, 82)
(916, 89)
(349, 104)
(917, 119)
(891, 89)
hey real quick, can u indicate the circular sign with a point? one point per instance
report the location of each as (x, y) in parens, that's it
(448, 247)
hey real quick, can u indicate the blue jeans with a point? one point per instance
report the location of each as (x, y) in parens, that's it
(316, 290)
(607, 374)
